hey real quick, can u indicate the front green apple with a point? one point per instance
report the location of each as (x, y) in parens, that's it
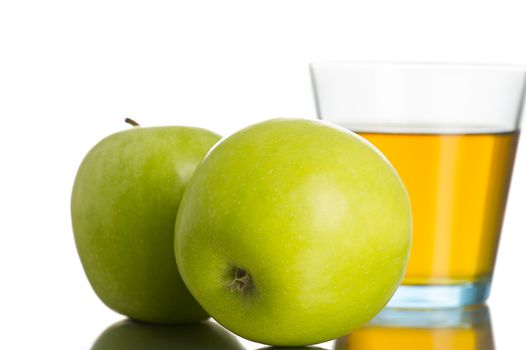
(293, 232)
(124, 203)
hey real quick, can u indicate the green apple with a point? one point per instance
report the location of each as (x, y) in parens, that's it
(123, 207)
(293, 232)
(129, 335)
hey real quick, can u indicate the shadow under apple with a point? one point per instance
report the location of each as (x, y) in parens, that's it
(133, 335)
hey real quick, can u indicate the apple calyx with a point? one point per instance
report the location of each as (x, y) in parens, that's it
(242, 281)
(131, 122)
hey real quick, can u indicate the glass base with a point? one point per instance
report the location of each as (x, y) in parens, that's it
(440, 296)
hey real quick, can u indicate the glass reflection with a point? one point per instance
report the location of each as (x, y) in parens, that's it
(446, 329)
(131, 335)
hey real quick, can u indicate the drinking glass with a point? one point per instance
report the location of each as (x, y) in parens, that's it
(451, 132)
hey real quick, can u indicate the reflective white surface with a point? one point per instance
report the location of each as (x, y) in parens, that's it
(455, 329)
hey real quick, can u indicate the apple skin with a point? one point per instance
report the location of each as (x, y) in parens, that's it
(132, 335)
(293, 232)
(123, 208)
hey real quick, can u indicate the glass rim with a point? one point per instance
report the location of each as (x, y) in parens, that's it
(452, 66)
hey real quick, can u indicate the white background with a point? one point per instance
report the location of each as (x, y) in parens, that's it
(71, 71)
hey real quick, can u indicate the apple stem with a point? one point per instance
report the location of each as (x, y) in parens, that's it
(242, 281)
(131, 122)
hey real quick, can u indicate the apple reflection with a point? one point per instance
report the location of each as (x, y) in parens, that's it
(291, 348)
(446, 329)
(132, 335)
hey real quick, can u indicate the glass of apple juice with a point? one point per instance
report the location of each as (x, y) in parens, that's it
(451, 132)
